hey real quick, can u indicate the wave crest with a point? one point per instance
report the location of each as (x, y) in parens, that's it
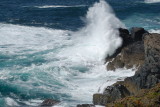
(152, 1)
(59, 6)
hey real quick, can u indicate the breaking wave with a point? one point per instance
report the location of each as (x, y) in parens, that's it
(39, 63)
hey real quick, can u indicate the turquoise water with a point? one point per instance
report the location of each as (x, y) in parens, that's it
(56, 49)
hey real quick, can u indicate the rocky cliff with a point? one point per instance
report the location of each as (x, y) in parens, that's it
(140, 49)
(146, 77)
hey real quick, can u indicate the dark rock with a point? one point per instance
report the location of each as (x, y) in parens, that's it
(116, 63)
(110, 94)
(110, 66)
(152, 48)
(49, 102)
(100, 99)
(144, 98)
(146, 77)
(86, 105)
(126, 37)
(130, 56)
(137, 33)
(133, 55)
(124, 34)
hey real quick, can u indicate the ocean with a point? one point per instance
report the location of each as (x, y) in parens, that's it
(55, 49)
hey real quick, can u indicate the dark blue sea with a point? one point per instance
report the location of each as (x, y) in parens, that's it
(55, 49)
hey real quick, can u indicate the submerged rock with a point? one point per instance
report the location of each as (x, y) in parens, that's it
(49, 102)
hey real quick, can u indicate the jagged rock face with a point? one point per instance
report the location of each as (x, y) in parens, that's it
(115, 63)
(126, 37)
(137, 33)
(110, 94)
(144, 98)
(132, 55)
(152, 48)
(124, 34)
(147, 76)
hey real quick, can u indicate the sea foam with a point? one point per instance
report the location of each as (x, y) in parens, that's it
(71, 68)
(152, 1)
(100, 35)
(59, 6)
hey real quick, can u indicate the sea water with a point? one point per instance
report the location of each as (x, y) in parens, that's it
(56, 48)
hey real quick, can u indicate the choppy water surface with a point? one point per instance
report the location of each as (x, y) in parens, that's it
(55, 49)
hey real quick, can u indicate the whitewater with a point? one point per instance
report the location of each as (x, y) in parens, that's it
(38, 63)
(152, 1)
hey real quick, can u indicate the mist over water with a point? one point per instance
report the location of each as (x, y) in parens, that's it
(94, 41)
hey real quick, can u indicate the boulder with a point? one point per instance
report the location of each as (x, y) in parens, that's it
(137, 33)
(110, 94)
(49, 102)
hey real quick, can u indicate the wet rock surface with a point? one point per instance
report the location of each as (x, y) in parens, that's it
(126, 37)
(146, 77)
(130, 56)
(131, 53)
(142, 50)
(110, 94)
(137, 33)
(49, 103)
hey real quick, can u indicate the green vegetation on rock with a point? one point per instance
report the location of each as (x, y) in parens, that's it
(144, 98)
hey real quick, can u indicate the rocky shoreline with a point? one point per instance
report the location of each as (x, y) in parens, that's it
(139, 49)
